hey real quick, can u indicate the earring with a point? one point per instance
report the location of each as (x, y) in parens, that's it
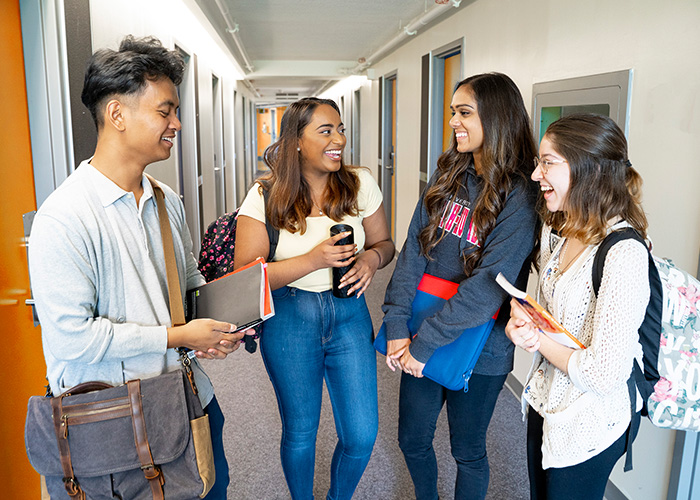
(299, 149)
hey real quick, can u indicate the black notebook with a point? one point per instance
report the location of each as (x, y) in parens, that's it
(242, 297)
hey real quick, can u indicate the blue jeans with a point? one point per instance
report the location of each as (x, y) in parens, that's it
(312, 337)
(468, 415)
(216, 423)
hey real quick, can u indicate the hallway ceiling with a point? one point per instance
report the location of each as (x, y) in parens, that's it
(296, 48)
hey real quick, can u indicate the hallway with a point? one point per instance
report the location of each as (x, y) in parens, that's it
(252, 433)
(391, 67)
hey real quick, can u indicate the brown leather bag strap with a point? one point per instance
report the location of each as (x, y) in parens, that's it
(60, 426)
(150, 470)
(87, 387)
(177, 312)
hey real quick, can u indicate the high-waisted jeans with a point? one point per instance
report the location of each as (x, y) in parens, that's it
(312, 337)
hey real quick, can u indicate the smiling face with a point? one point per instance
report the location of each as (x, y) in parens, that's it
(152, 121)
(322, 142)
(469, 134)
(556, 182)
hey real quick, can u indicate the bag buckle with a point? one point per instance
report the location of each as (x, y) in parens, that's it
(71, 485)
(151, 471)
(185, 359)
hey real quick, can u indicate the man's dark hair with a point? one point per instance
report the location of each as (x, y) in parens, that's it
(124, 72)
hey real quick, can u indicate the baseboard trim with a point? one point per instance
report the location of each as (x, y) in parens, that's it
(612, 493)
(516, 388)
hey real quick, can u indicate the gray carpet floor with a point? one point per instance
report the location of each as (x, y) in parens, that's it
(253, 429)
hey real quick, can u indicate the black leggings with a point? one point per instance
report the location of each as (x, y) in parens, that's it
(584, 481)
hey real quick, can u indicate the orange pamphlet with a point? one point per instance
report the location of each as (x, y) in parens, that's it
(242, 297)
(542, 318)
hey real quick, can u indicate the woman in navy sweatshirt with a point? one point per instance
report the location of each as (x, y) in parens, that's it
(475, 219)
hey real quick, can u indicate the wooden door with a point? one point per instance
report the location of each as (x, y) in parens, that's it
(23, 367)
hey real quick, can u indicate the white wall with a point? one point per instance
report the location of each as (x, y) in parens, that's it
(346, 88)
(181, 22)
(543, 40)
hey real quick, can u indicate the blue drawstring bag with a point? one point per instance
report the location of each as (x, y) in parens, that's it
(450, 365)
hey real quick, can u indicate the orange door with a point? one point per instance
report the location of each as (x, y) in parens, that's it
(264, 127)
(23, 367)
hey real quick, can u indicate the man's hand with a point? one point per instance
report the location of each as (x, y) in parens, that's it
(210, 339)
(226, 348)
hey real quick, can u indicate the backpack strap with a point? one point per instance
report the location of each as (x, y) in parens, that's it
(609, 241)
(598, 265)
(632, 391)
(638, 379)
(272, 234)
(650, 328)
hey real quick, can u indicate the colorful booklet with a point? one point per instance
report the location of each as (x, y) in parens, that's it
(242, 297)
(542, 318)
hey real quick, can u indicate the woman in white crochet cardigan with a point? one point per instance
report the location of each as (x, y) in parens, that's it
(577, 400)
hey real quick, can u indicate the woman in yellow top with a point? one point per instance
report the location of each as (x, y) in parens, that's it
(315, 335)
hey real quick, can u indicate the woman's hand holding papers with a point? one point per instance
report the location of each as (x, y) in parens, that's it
(520, 329)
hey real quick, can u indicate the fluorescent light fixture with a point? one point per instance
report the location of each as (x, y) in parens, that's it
(344, 86)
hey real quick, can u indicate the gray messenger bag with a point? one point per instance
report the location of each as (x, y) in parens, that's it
(147, 439)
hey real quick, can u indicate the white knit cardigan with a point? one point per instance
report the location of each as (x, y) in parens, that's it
(589, 409)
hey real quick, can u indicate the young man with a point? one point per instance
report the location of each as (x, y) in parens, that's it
(96, 254)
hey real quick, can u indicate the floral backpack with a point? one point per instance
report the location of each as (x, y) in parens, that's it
(670, 338)
(216, 254)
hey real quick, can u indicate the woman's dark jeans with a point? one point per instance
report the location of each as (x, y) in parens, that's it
(468, 414)
(584, 481)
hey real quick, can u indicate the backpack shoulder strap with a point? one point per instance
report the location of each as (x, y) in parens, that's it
(650, 329)
(609, 241)
(636, 378)
(272, 234)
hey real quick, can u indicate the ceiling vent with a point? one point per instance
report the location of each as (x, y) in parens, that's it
(286, 96)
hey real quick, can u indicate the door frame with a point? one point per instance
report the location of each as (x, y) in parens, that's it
(189, 160)
(388, 101)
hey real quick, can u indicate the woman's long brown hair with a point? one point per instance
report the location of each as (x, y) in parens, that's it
(507, 153)
(289, 202)
(602, 183)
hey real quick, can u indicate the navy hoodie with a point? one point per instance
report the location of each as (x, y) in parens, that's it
(507, 250)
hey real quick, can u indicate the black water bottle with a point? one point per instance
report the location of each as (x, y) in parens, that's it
(339, 272)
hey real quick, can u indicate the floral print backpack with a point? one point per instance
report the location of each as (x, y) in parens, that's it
(670, 338)
(216, 254)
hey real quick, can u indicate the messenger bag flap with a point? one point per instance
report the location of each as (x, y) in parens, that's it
(98, 423)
